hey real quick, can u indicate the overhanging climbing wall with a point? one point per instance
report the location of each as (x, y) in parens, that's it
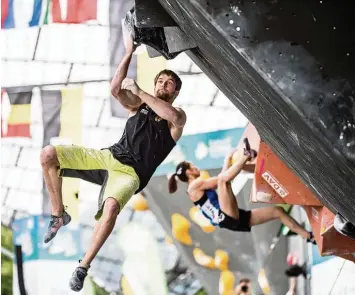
(288, 66)
(275, 183)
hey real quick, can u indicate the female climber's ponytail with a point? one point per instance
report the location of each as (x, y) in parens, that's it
(172, 184)
(181, 174)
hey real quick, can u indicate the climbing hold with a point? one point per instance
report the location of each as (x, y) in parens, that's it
(202, 259)
(237, 156)
(263, 282)
(197, 217)
(226, 283)
(204, 174)
(139, 203)
(180, 229)
(221, 259)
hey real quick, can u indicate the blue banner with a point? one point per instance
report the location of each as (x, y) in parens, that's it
(205, 150)
(29, 233)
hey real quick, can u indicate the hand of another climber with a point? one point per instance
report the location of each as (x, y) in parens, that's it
(131, 85)
(131, 45)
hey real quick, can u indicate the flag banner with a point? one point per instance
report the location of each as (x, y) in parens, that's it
(76, 11)
(51, 106)
(18, 123)
(5, 11)
(23, 13)
(62, 124)
(2, 119)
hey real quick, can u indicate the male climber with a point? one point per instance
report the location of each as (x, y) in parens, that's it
(151, 132)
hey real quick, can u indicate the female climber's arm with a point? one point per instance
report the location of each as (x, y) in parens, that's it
(204, 184)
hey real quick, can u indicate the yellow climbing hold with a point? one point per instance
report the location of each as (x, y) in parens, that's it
(204, 174)
(197, 217)
(139, 203)
(226, 283)
(237, 156)
(221, 259)
(263, 282)
(180, 229)
(202, 259)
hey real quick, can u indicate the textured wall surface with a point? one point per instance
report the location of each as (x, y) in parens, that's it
(287, 66)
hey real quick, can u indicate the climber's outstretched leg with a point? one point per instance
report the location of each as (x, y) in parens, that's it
(263, 215)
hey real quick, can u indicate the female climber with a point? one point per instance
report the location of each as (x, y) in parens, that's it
(222, 208)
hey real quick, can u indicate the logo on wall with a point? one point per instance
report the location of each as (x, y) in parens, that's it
(277, 187)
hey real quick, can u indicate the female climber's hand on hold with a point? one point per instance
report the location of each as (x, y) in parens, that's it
(131, 85)
(248, 151)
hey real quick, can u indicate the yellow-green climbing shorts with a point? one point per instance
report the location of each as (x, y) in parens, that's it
(117, 180)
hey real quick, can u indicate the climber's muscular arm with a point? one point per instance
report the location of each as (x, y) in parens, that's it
(126, 98)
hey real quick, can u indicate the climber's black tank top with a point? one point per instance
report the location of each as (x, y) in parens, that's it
(145, 143)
